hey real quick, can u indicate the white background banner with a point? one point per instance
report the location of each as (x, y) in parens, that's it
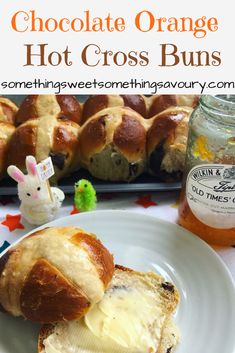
(106, 46)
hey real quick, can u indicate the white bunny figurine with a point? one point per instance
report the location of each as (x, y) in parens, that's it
(37, 207)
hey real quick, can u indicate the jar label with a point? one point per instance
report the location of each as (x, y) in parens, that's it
(210, 191)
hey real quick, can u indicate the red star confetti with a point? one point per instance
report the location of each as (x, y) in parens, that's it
(74, 210)
(145, 201)
(13, 222)
(5, 200)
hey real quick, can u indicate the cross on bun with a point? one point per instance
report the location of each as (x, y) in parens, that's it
(159, 103)
(66, 107)
(112, 144)
(55, 274)
(42, 138)
(167, 141)
(8, 110)
(6, 131)
(96, 103)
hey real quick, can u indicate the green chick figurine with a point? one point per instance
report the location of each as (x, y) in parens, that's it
(85, 196)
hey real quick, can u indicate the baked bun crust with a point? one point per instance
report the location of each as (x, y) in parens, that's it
(112, 144)
(159, 103)
(54, 275)
(66, 107)
(8, 110)
(44, 137)
(6, 131)
(167, 141)
(96, 103)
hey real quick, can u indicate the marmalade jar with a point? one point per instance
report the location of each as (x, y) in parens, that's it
(207, 200)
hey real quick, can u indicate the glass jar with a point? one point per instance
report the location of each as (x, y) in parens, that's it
(207, 201)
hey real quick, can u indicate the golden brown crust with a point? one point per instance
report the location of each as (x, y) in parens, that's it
(8, 110)
(162, 102)
(38, 232)
(162, 126)
(3, 261)
(46, 287)
(119, 125)
(60, 143)
(112, 144)
(47, 296)
(96, 103)
(93, 105)
(98, 254)
(22, 144)
(93, 136)
(64, 138)
(27, 110)
(130, 137)
(6, 132)
(112, 138)
(70, 108)
(166, 142)
(135, 102)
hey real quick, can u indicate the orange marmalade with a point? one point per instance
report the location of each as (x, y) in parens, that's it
(207, 201)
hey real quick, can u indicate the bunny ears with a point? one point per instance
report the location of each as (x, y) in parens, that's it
(16, 174)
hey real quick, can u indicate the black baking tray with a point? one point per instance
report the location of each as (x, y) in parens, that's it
(144, 182)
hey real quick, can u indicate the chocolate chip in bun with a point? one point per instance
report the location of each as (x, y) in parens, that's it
(112, 144)
(134, 315)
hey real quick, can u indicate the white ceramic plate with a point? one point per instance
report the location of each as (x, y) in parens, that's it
(206, 314)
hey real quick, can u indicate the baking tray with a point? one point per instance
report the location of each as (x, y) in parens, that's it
(144, 182)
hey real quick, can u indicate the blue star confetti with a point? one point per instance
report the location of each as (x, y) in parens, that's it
(4, 246)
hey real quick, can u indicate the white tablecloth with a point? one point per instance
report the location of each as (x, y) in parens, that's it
(158, 204)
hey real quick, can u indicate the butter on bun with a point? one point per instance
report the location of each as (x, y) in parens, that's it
(55, 274)
(134, 316)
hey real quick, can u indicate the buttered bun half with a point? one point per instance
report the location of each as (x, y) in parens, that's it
(134, 316)
(55, 274)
